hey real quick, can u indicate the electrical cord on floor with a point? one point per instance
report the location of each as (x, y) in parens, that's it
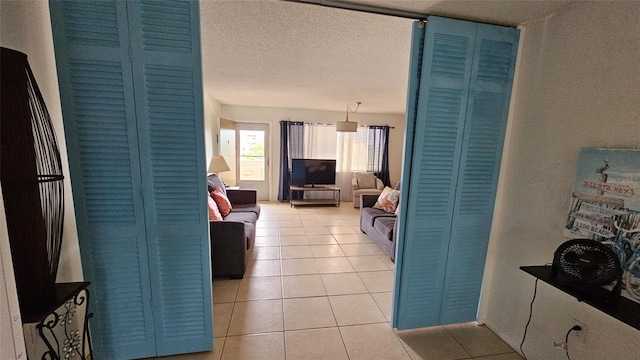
(526, 327)
(566, 339)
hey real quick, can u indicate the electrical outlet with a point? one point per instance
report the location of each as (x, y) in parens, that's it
(580, 335)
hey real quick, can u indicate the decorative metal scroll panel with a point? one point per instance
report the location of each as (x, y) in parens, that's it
(65, 337)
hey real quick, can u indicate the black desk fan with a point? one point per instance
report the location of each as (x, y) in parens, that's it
(588, 264)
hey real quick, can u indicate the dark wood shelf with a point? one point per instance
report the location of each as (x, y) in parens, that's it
(64, 292)
(624, 309)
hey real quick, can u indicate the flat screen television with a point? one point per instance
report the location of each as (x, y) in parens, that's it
(311, 172)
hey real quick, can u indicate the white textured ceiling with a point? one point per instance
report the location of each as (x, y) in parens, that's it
(292, 55)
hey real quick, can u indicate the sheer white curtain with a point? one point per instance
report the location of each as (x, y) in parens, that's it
(322, 141)
(352, 151)
(351, 157)
(319, 143)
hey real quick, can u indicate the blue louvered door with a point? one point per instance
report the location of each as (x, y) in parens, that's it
(451, 168)
(135, 145)
(167, 80)
(445, 72)
(96, 90)
(485, 125)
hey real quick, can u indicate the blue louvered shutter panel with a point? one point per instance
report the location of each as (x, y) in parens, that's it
(96, 89)
(446, 69)
(485, 125)
(415, 62)
(167, 80)
(451, 169)
(413, 95)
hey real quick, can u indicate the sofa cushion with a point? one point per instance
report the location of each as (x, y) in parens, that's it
(213, 182)
(244, 217)
(249, 220)
(254, 208)
(366, 181)
(368, 215)
(385, 226)
(242, 196)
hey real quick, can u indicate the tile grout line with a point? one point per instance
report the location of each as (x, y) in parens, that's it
(284, 328)
(330, 306)
(459, 343)
(226, 333)
(326, 295)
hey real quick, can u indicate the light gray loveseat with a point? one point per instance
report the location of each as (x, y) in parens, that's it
(374, 188)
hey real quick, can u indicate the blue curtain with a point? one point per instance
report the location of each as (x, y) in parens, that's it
(291, 147)
(378, 153)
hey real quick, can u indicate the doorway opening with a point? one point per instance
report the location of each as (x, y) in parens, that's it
(245, 146)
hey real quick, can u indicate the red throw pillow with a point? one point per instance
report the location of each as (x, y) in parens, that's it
(214, 213)
(222, 201)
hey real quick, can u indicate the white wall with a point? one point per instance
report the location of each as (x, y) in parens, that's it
(578, 85)
(211, 112)
(273, 116)
(228, 150)
(11, 337)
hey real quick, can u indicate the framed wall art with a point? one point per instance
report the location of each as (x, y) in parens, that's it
(605, 206)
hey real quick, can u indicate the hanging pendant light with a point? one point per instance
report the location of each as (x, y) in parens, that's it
(348, 126)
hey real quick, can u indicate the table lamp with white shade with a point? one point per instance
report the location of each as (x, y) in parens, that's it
(218, 164)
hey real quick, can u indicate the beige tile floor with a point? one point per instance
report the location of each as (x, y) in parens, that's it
(317, 288)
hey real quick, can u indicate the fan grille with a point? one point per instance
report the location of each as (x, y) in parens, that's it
(587, 262)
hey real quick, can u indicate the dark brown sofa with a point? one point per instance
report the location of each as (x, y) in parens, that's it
(232, 237)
